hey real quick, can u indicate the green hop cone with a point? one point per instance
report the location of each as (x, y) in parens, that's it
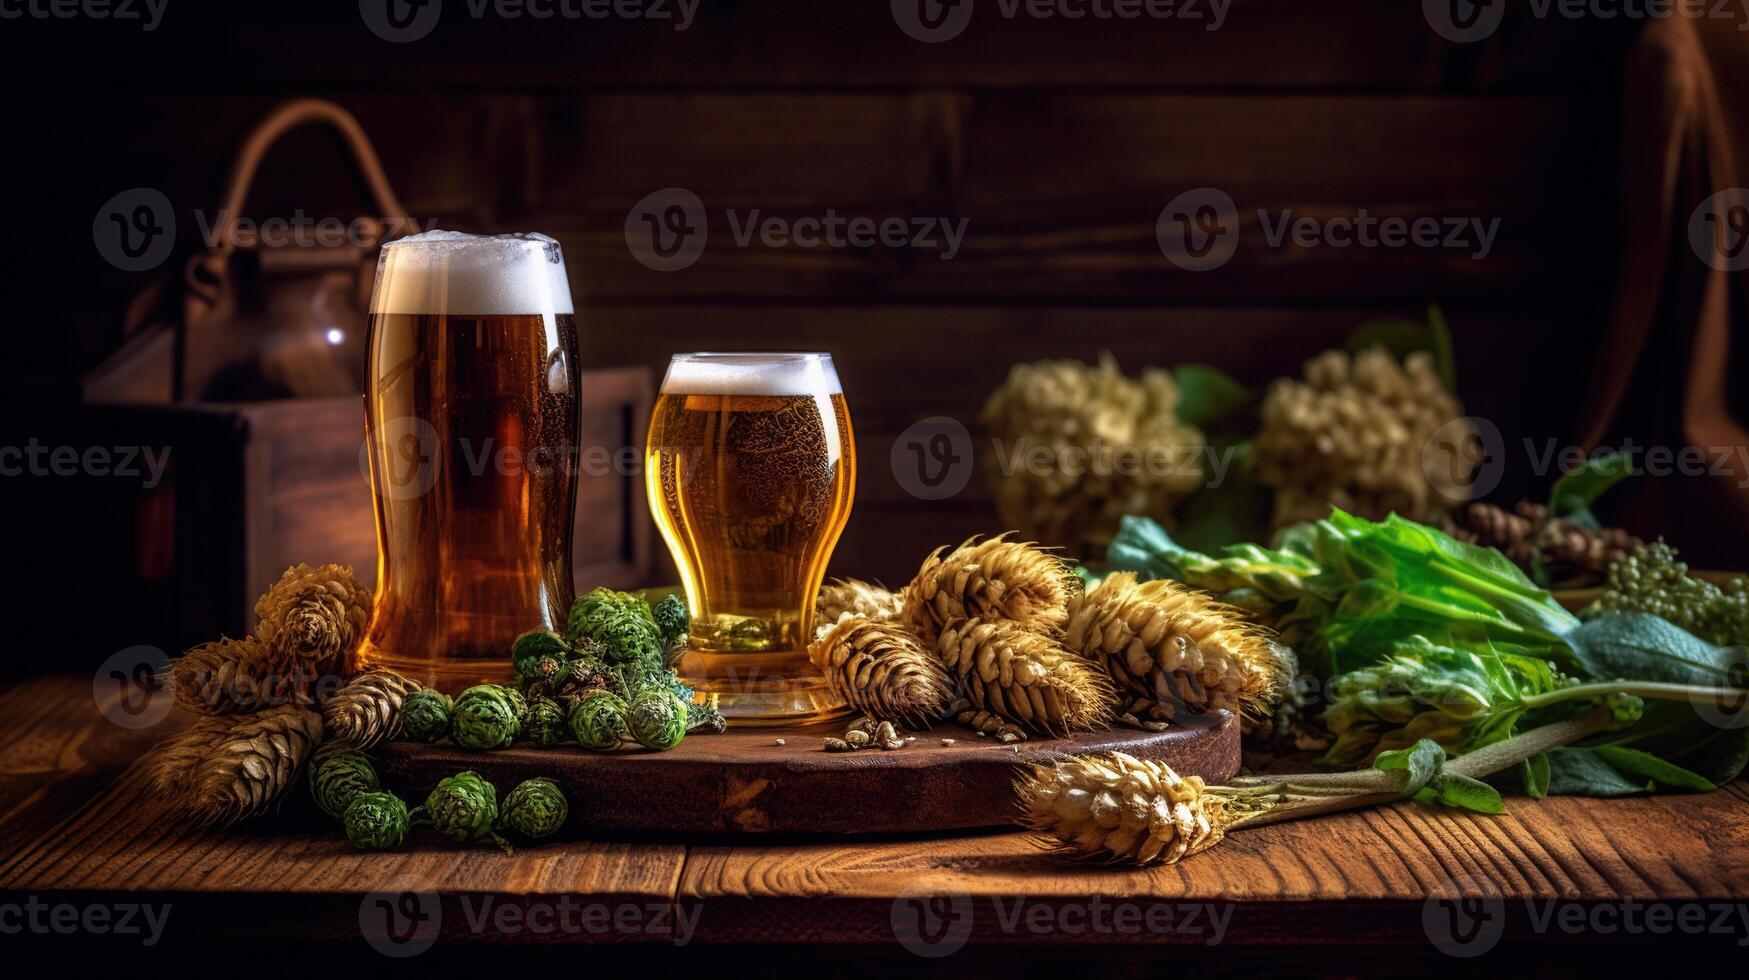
(425, 715)
(657, 718)
(628, 636)
(518, 704)
(539, 655)
(671, 619)
(337, 778)
(463, 807)
(376, 821)
(620, 622)
(536, 808)
(480, 691)
(546, 725)
(599, 721)
(484, 723)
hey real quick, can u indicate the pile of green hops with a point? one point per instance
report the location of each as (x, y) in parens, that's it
(1652, 580)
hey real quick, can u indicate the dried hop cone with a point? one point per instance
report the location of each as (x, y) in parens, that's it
(536, 808)
(657, 718)
(313, 614)
(853, 597)
(1174, 645)
(486, 718)
(1119, 809)
(995, 579)
(1095, 445)
(881, 670)
(1359, 433)
(1025, 677)
(376, 821)
(598, 721)
(223, 769)
(337, 775)
(367, 710)
(231, 676)
(464, 808)
(425, 715)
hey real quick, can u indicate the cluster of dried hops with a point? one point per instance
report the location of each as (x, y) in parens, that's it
(259, 698)
(1569, 552)
(999, 634)
(1358, 432)
(1174, 648)
(1092, 444)
(915, 657)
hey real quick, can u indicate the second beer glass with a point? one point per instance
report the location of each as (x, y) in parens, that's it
(751, 470)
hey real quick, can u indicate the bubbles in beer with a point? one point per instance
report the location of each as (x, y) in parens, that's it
(752, 473)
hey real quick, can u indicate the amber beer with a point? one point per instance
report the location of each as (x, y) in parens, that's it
(471, 423)
(751, 469)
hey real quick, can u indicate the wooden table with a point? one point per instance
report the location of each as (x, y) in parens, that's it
(77, 826)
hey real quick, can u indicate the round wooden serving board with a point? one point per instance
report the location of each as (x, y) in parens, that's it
(743, 782)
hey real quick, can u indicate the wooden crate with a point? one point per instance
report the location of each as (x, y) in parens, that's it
(252, 488)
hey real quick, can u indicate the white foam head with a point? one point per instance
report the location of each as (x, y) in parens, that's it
(451, 273)
(752, 373)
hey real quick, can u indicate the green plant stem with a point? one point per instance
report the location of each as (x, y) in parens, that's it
(1310, 794)
(1656, 690)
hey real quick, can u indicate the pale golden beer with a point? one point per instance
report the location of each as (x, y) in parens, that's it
(751, 470)
(471, 430)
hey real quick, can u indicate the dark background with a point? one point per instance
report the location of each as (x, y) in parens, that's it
(1059, 141)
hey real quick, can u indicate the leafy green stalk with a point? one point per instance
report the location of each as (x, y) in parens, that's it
(1420, 771)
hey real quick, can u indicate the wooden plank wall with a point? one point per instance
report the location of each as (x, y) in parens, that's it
(1058, 142)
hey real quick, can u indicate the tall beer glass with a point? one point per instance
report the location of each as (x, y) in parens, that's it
(471, 422)
(751, 468)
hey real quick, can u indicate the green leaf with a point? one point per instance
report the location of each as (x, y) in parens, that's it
(1536, 775)
(1217, 516)
(1644, 647)
(1143, 546)
(1578, 488)
(1457, 790)
(1418, 763)
(1577, 771)
(1637, 763)
(1210, 398)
